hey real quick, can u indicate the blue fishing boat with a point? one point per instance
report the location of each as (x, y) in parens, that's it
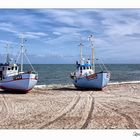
(86, 76)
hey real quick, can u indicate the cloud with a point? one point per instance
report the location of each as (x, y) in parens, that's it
(56, 33)
(8, 27)
(34, 35)
(120, 22)
(70, 17)
(7, 42)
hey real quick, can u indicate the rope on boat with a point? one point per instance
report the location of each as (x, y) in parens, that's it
(103, 65)
(30, 63)
(23, 52)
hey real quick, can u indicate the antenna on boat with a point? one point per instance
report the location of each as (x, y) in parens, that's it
(91, 39)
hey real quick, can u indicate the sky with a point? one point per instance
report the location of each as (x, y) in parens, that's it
(53, 35)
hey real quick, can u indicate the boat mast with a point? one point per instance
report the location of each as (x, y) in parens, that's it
(22, 51)
(7, 57)
(92, 47)
(92, 56)
(81, 52)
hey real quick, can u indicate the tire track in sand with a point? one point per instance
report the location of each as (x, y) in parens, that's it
(88, 112)
(5, 111)
(61, 113)
(130, 121)
(85, 106)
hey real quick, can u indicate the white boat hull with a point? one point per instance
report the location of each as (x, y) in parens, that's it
(22, 82)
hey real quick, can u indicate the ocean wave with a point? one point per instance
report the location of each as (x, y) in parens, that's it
(71, 85)
(40, 86)
(124, 82)
(54, 86)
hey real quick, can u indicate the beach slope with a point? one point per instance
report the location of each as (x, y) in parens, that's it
(117, 106)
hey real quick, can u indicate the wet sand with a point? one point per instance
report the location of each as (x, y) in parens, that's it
(115, 107)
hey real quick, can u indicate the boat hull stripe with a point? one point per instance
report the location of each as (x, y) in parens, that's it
(19, 79)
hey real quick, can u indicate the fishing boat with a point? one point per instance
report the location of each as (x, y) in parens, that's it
(12, 76)
(85, 76)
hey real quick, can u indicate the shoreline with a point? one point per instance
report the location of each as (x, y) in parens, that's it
(71, 85)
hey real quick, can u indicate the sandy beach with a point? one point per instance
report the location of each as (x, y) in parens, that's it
(117, 106)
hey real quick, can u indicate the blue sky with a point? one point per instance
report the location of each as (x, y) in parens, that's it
(53, 35)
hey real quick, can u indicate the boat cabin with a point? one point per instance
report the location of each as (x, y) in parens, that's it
(84, 69)
(8, 70)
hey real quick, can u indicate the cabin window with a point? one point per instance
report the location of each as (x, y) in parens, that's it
(3, 68)
(9, 69)
(84, 68)
(90, 67)
(15, 68)
(12, 68)
(80, 68)
(87, 67)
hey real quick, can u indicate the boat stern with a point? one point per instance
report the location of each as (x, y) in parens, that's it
(105, 78)
(31, 81)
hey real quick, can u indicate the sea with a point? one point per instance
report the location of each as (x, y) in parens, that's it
(59, 74)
